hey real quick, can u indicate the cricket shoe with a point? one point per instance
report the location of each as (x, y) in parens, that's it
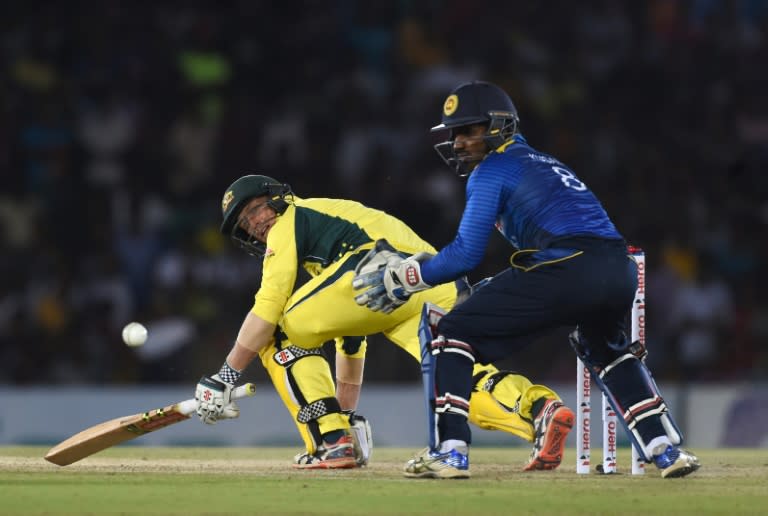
(675, 462)
(433, 464)
(552, 425)
(339, 455)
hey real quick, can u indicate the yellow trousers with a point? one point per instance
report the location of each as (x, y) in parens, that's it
(323, 309)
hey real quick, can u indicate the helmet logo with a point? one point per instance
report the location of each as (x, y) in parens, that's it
(225, 202)
(451, 105)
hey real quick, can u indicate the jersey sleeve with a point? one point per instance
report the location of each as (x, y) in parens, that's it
(351, 347)
(485, 193)
(280, 269)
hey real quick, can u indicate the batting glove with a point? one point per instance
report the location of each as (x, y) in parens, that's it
(214, 400)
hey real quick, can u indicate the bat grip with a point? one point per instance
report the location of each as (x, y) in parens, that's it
(187, 407)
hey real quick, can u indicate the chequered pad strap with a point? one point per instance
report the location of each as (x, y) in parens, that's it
(318, 409)
(291, 354)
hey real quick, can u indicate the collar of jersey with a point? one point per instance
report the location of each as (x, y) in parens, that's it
(517, 138)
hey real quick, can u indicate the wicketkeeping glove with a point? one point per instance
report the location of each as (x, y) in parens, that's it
(403, 278)
(370, 273)
(214, 400)
(390, 276)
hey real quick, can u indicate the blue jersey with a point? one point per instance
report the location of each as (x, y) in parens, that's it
(530, 197)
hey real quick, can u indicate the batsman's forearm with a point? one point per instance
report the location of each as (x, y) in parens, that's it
(240, 356)
(348, 395)
(349, 369)
(349, 378)
(255, 334)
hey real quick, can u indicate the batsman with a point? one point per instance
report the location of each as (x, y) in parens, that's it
(334, 240)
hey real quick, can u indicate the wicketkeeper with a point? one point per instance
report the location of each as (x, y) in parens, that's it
(569, 267)
(287, 326)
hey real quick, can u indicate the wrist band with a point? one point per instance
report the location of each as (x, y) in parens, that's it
(228, 374)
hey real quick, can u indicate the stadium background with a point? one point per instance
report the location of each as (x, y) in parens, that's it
(122, 125)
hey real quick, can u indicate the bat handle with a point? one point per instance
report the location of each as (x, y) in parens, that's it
(187, 407)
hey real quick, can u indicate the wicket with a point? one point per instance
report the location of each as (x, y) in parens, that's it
(584, 391)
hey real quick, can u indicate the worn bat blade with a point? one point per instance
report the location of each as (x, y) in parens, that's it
(111, 433)
(116, 431)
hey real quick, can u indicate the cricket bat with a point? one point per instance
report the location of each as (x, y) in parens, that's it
(113, 432)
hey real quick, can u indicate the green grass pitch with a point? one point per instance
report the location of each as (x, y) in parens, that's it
(191, 481)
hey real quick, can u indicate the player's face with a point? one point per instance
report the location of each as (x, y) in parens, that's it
(469, 145)
(257, 218)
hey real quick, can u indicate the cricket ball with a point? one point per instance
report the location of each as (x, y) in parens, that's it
(134, 334)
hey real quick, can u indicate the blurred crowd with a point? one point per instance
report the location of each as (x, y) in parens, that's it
(123, 123)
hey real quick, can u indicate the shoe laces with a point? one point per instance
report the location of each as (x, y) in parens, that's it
(457, 459)
(546, 414)
(541, 422)
(343, 446)
(666, 459)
